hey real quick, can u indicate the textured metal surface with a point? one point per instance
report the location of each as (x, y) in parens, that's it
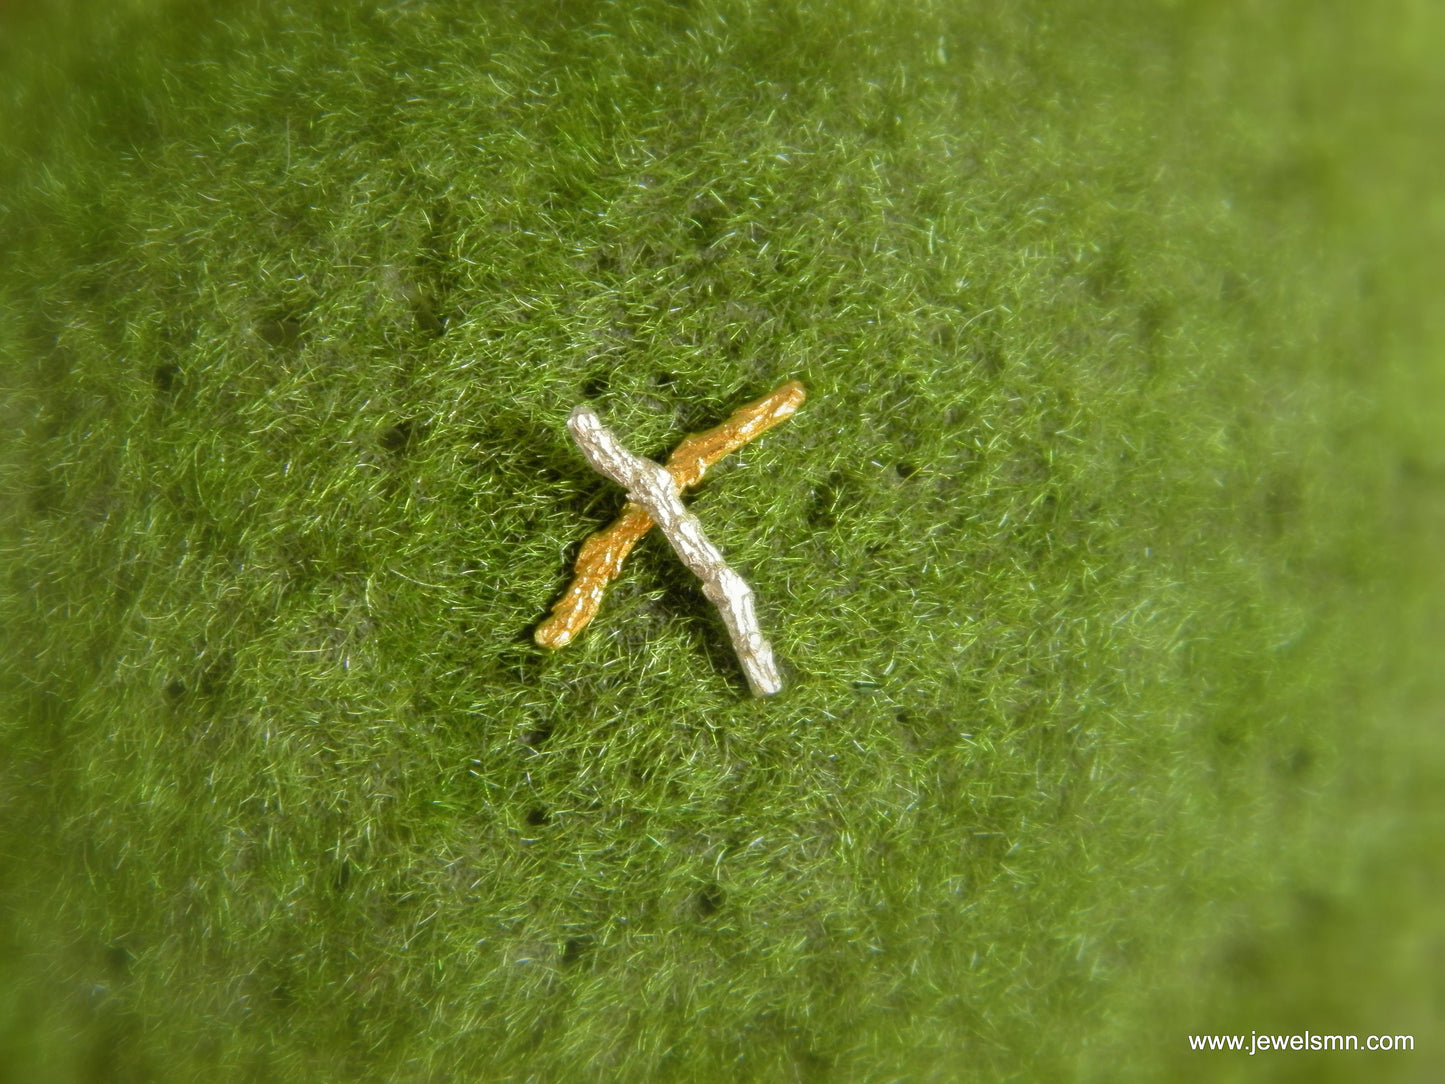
(600, 560)
(650, 486)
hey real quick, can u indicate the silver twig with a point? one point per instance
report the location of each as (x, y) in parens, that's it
(651, 486)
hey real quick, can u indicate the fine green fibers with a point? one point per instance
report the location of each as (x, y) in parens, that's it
(1097, 560)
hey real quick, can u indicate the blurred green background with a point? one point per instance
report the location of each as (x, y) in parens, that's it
(1104, 561)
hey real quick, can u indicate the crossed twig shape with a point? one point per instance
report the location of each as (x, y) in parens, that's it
(654, 496)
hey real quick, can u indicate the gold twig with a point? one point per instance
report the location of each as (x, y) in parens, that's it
(603, 553)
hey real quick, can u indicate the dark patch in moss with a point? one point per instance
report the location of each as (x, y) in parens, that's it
(883, 120)
(402, 438)
(216, 675)
(944, 335)
(46, 496)
(1297, 762)
(988, 353)
(832, 499)
(597, 385)
(1154, 319)
(1314, 910)
(1234, 290)
(1107, 277)
(606, 262)
(164, 378)
(1227, 737)
(304, 558)
(426, 317)
(1416, 471)
(1244, 960)
(814, 1066)
(536, 737)
(118, 959)
(537, 817)
(574, 949)
(282, 331)
(710, 899)
(342, 876)
(706, 223)
(1303, 176)
(422, 705)
(1282, 501)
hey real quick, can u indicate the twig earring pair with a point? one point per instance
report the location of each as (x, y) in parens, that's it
(654, 496)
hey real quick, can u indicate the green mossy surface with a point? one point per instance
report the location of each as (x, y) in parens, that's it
(1103, 560)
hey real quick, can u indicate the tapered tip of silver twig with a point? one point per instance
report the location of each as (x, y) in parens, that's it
(583, 418)
(761, 686)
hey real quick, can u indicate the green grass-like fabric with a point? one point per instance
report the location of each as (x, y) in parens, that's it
(1103, 560)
